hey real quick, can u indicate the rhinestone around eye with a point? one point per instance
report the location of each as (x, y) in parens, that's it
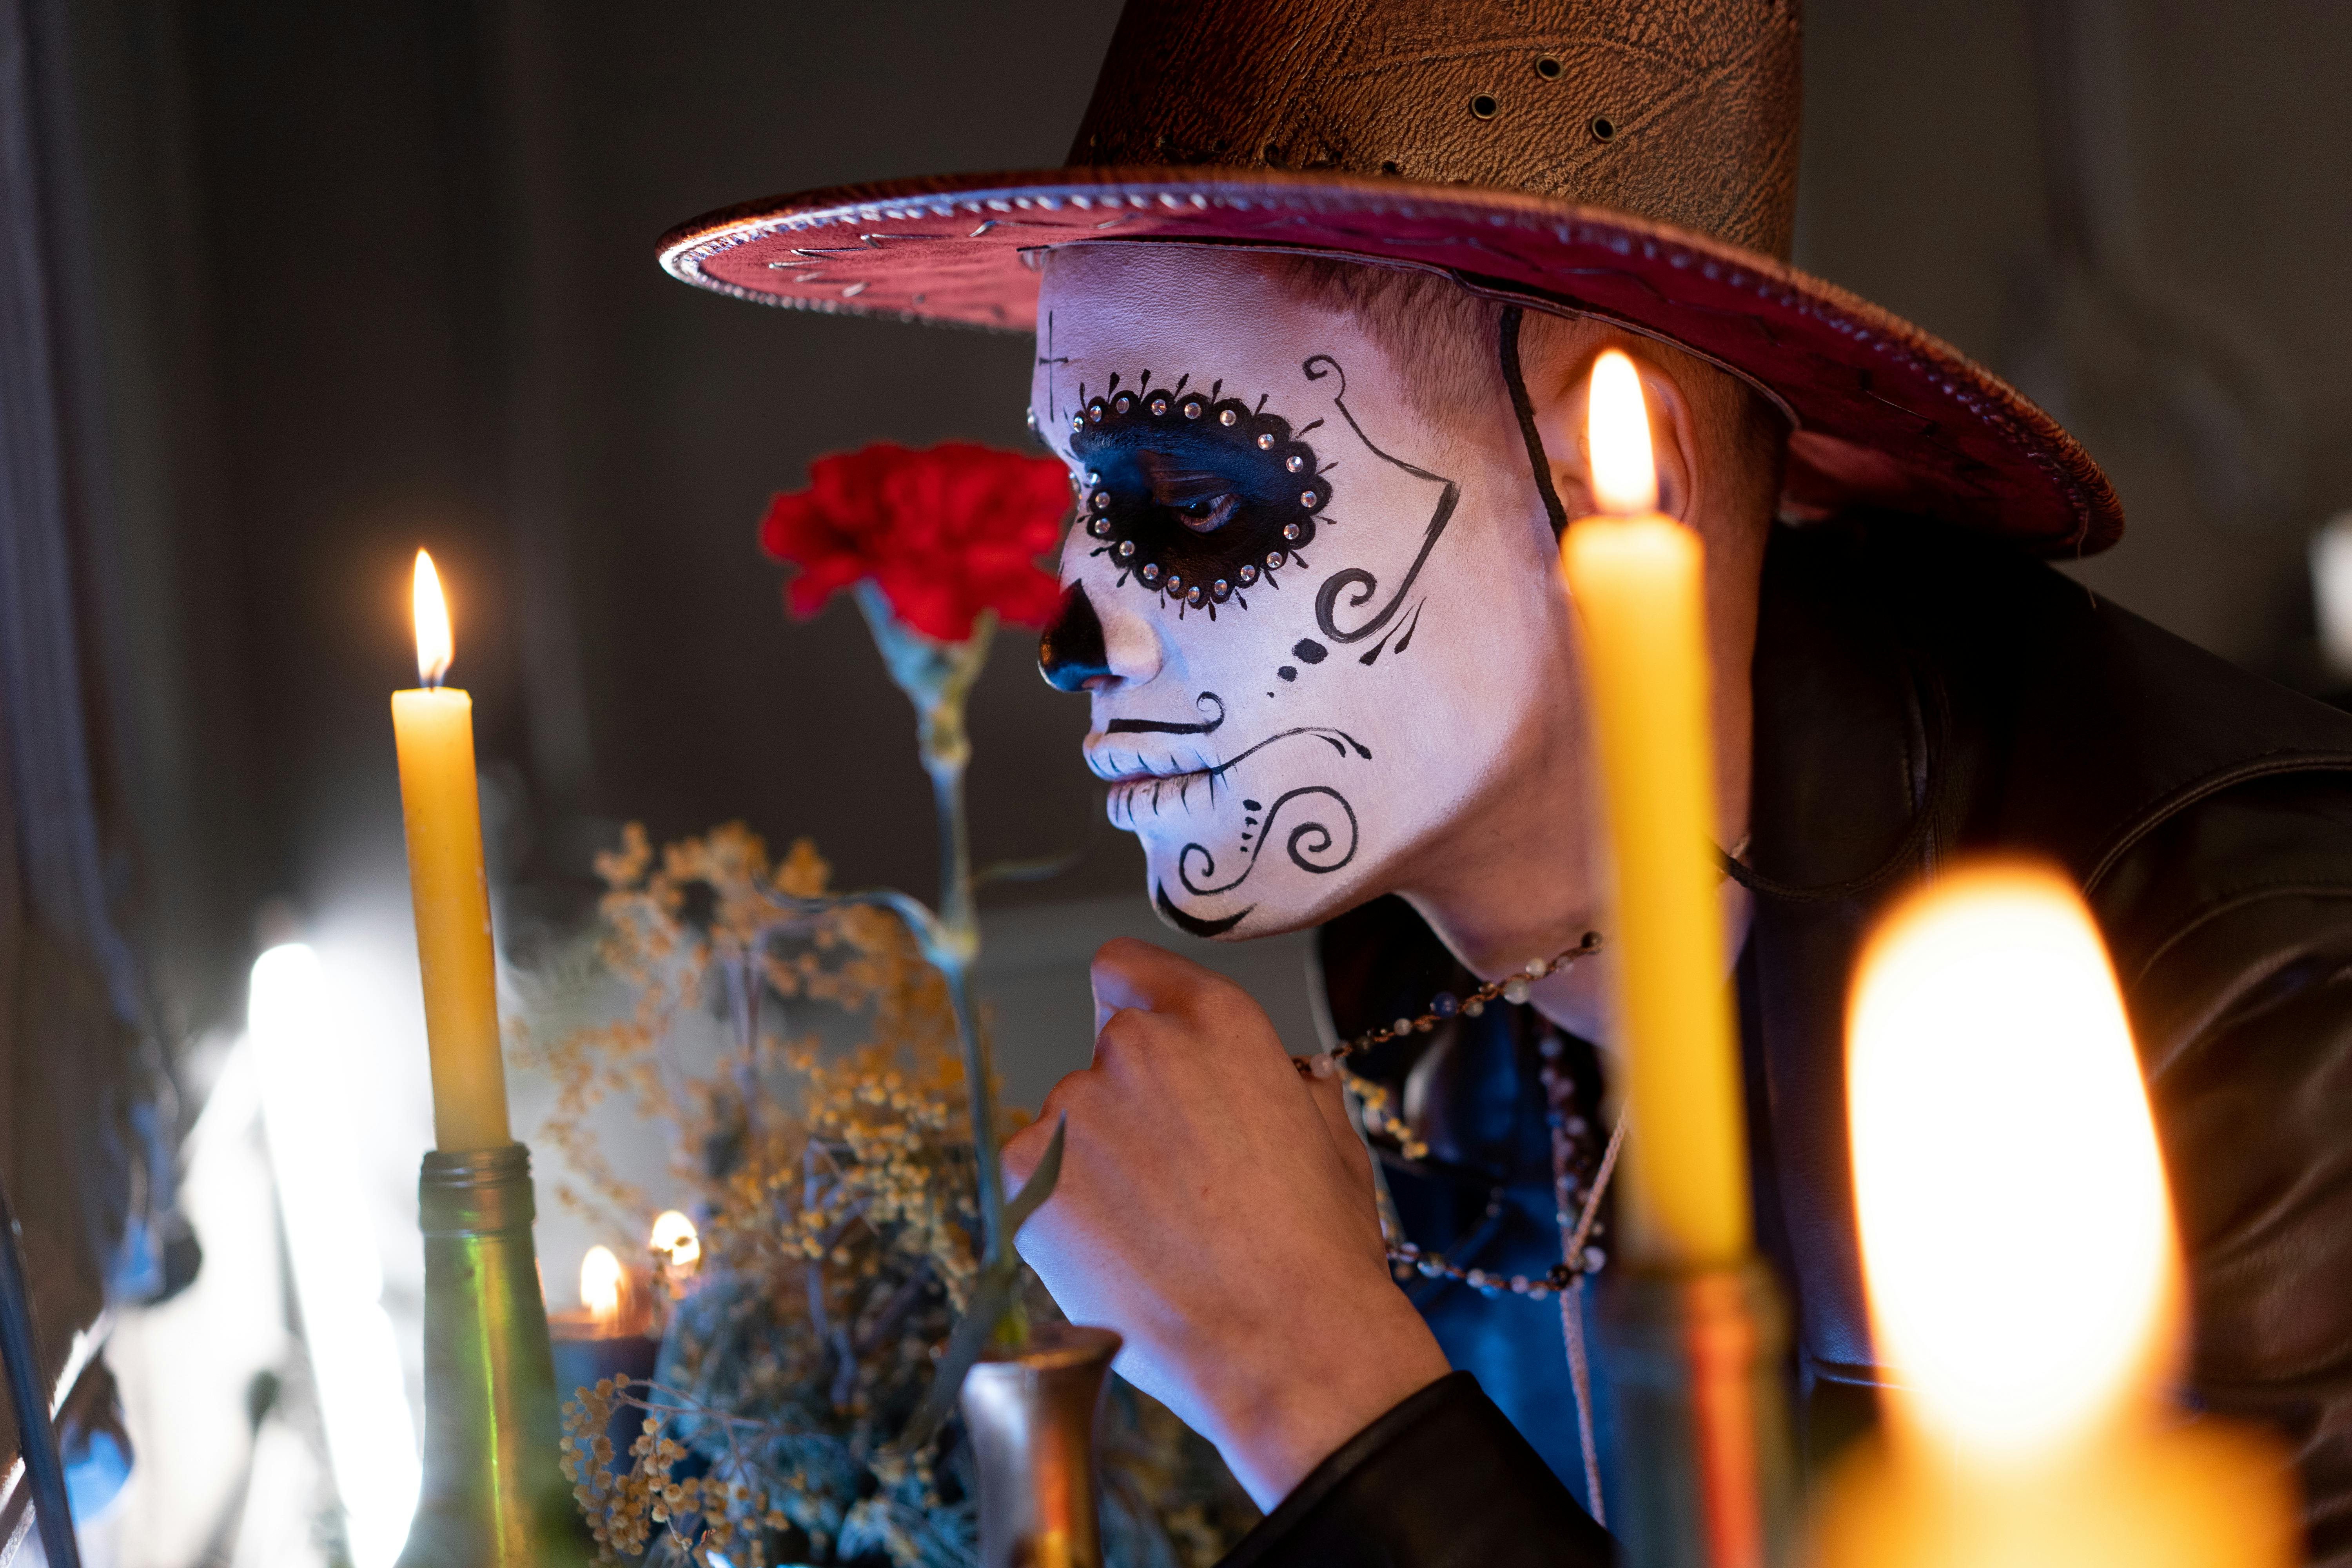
(1248, 574)
(1290, 531)
(1127, 549)
(1273, 560)
(1193, 408)
(1123, 402)
(1175, 582)
(1077, 421)
(1266, 443)
(1160, 405)
(1094, 475)
(1094, 414)
(1221, 590)
(1150, 573)
(1294, 462)
(1032, 416)
(1102, 498)
(1193, 597)
(1100, 528)
(1228, 418)
(1308, 500)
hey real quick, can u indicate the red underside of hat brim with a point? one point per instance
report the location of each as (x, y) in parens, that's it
(1885, 413)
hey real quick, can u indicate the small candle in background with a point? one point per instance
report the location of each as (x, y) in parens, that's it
(607, 1335)
(2025, 1278)
(676, 1249)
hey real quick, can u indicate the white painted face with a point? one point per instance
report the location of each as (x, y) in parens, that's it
(1326, 617)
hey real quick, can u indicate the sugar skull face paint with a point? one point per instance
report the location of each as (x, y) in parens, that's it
(1312, 619)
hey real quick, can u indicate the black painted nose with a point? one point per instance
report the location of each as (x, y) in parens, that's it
(1070, 649)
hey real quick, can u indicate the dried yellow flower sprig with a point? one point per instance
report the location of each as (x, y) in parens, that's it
(836, 1191)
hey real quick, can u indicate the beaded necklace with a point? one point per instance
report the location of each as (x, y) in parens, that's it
(1579, 1258)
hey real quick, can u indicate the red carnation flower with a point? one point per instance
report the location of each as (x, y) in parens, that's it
(945, 533)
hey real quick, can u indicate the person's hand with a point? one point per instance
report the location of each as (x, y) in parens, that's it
(1216, 1209)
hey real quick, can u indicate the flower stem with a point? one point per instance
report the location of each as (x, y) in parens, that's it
(960, 916)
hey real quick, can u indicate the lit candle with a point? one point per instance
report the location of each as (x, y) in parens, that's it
(676, 1249)
(1638, 581)
(434, 728)
(2024, 1278)
(609, 1335)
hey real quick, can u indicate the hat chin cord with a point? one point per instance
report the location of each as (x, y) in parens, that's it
(1526, 409)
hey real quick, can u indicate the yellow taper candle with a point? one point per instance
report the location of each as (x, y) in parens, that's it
(434, 728)
(1637, 579)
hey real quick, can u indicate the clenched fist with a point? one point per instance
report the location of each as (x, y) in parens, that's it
(1216, 1209)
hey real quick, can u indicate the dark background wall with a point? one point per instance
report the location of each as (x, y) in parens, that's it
(381, 276)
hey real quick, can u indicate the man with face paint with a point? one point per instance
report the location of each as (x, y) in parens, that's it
(1315, 304)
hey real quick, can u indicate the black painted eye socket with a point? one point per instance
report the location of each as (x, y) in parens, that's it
(1194, 497)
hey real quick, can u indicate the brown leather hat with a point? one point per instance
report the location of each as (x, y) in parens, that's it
(1630, 160)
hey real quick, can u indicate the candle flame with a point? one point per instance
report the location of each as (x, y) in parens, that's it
(1617, 438)
(2015, 1227)
(674, 1236)
(600, 1286)
(435, 645)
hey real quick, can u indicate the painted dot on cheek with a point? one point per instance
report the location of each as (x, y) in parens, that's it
(1252, 805)
(1309, 651)
(1288, 672)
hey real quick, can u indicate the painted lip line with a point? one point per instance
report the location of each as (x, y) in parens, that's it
(1137, 769)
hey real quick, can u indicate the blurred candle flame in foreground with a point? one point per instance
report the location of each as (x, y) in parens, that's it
(435, 645)
(1617, 437)
(674, 1238)
(2025, 1283)
(2015, 1229)
(600, 1286)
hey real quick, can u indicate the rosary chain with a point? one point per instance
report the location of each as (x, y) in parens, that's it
(1375, 1100)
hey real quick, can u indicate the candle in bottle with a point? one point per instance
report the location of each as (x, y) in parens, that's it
(2023, 1275)
(433, 727)
(1637, 579)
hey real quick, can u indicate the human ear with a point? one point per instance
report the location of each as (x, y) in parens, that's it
(1559, 403)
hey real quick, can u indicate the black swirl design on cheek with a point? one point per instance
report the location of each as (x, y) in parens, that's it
(1360, 586)
(1313, 845)
(1196, 495)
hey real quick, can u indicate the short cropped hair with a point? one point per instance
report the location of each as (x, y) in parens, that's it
(1450, 337)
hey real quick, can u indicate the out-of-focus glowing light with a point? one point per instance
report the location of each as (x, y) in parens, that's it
(674, 1238)
(600, 1286)
(306, 1100)
(2015, 1229)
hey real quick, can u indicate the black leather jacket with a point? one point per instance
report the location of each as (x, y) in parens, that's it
(1920, 694)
